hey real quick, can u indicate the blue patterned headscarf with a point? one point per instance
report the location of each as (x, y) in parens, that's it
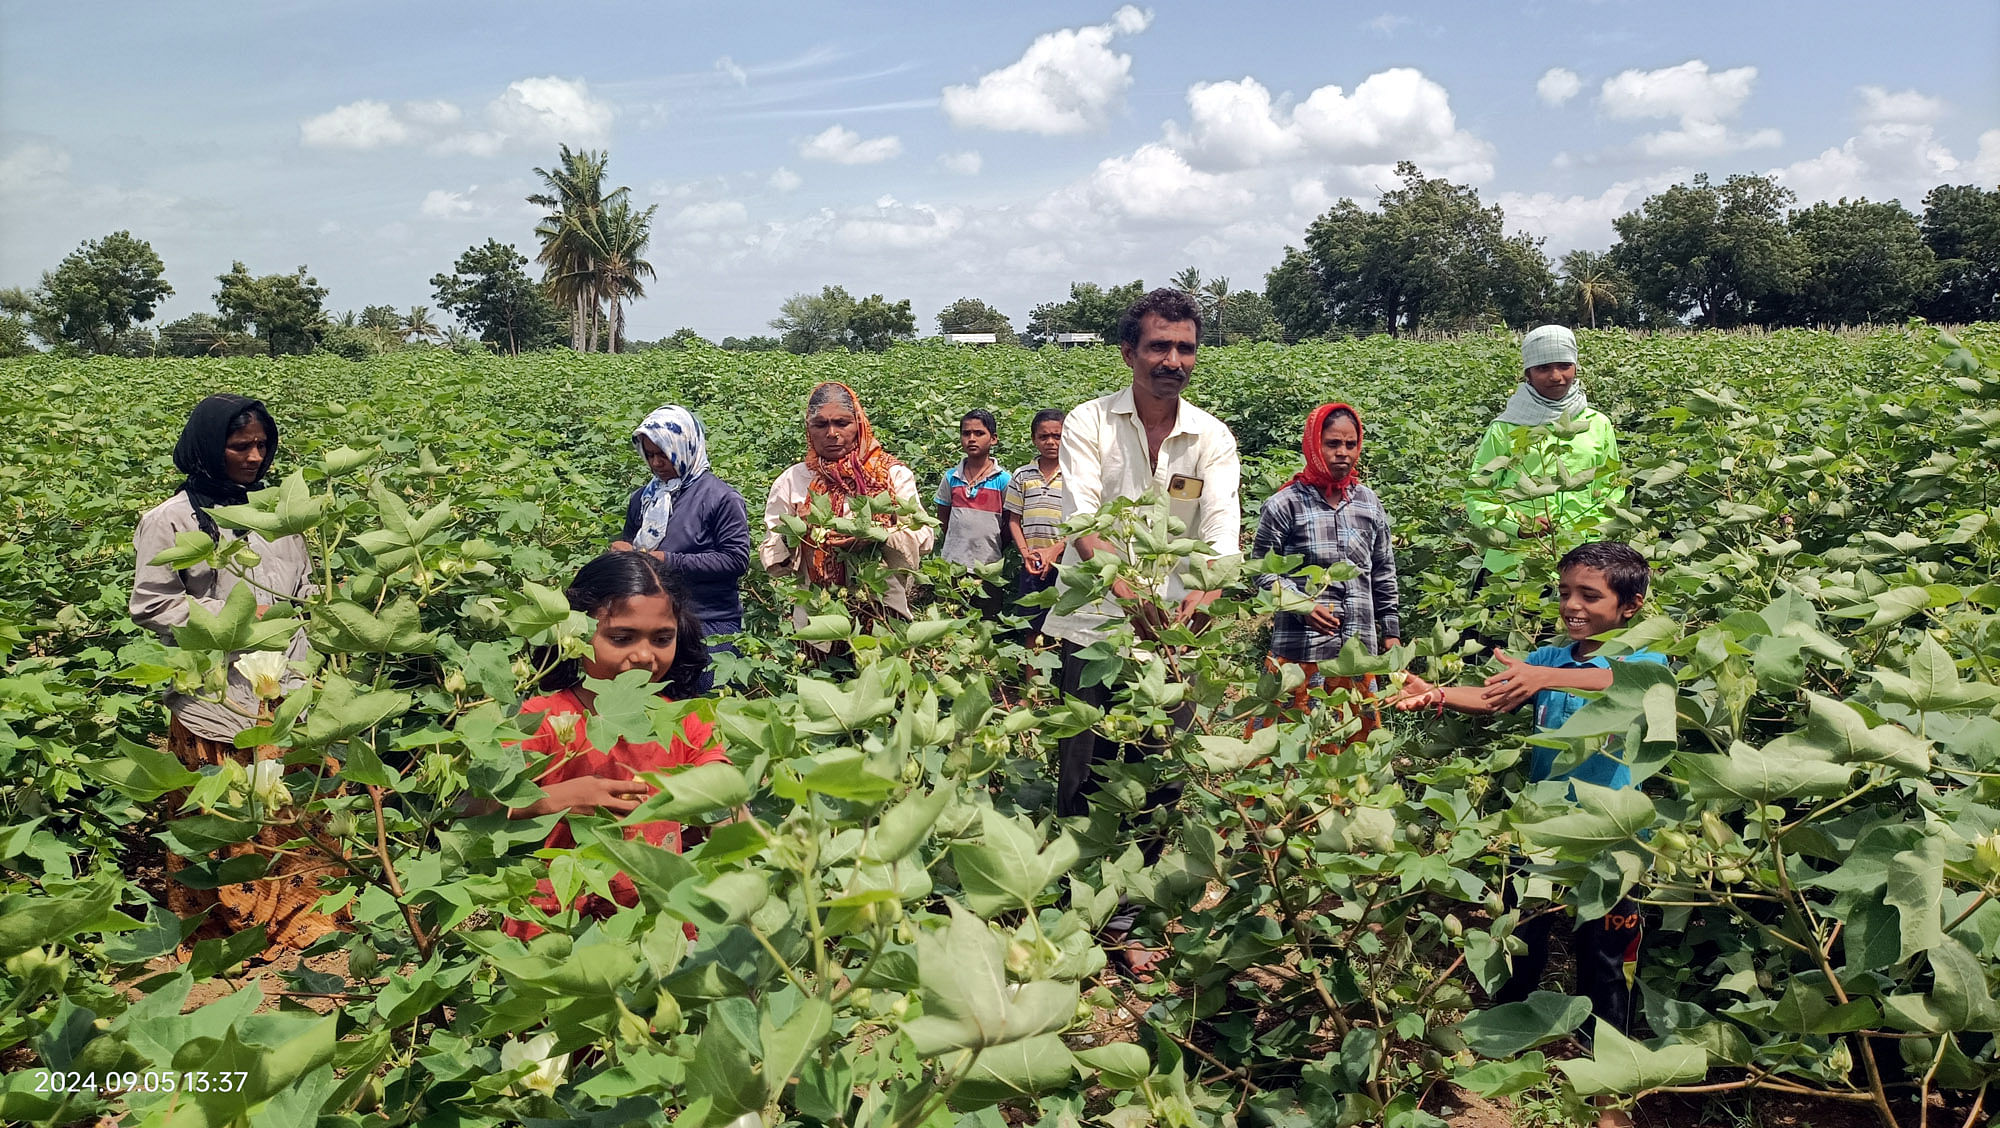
(675, 430)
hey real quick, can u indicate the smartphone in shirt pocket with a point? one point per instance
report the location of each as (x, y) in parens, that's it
(1184, 499)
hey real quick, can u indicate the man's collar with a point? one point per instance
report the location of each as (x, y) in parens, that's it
(1123, 402)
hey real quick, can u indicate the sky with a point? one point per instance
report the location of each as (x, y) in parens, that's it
(940, 150)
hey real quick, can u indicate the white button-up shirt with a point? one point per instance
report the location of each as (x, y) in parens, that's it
(1105, 456)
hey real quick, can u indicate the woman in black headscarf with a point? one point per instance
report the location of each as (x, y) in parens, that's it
(226, 451)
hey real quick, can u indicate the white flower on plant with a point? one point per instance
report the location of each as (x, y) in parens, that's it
(267, 783)
(564, 726)
(1986, 854)
(264, 670)
(547, 1072)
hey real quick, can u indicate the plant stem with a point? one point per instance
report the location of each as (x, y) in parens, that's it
(389, 874)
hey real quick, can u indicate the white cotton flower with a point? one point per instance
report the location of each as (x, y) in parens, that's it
(547, 1072)
(264, 670)
(267, 783)
(564, 726)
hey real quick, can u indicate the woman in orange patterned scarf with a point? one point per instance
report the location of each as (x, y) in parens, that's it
(843, 461)
(1328, 517)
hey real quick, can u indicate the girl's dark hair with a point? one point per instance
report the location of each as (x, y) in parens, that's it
(1046, 415)
(611, 579)
(983, 416)
(1624, 569)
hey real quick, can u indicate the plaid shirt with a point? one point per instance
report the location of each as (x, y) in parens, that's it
(1297, 521)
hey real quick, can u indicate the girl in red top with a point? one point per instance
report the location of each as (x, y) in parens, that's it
(644, 622)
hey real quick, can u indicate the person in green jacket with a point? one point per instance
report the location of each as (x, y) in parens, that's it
(1577, 439)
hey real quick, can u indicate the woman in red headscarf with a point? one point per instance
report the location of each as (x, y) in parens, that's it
(843, 462)
(1327, 516)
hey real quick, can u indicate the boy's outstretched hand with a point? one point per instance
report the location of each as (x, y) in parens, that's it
(1516, 684)
(1417, 694)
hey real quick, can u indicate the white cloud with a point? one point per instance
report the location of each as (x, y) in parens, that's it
(1572, 222)
(530, 112)
(735, 73)
(894, 226)
(1397, 114)
(33, 167)
(1155, 183)
(1986, 165)
(366, 124)
(785, 180)
(434, 114)
(967, 163)
(1557, 86)
(441, 204)
(1689, 91)
(1233, 126)
(1387, 23)
(1702, 99)
(1887, 160)
(1699, 139)
(842, 145)
(1068, 81)
(714, 215)
(1880, 105)
(550, 110)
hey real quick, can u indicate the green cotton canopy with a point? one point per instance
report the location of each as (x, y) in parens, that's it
(1546, 459)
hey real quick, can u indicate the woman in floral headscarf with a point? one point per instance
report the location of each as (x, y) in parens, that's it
(1327, 516)
(690, 518)
(843, 461)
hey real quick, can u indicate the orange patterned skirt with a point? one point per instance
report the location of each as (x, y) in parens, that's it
(1299, 701)
(283, 899)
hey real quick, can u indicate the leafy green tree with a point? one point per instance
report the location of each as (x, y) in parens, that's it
(1293, 290)
(16, 308)
(1430, 255)
(202, 334)
(1721, 254)
(98, 291)
(285, 311)
(757, 343)
(1524, 291)
(1090, 309)
(1188, 281)
(1962, 225)
(491, 295)
(1859, 263)
(970, 315)
(810, 323)
(1247, 316)
(380, 318)
(875, 323)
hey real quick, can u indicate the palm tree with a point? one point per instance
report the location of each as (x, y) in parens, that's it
(574, 198)
(1188, 280)
(615, 239)
(418, 326)
(1593, 279)
(1215, 295)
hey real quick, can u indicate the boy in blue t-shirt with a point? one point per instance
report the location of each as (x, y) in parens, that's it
(1601, 587)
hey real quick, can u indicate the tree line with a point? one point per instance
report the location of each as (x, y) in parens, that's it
(1698, 254)
(1429, 257)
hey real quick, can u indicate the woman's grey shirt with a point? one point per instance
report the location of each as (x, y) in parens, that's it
(161, 596)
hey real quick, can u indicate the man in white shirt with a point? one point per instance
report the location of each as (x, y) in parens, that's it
(1138, 441)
